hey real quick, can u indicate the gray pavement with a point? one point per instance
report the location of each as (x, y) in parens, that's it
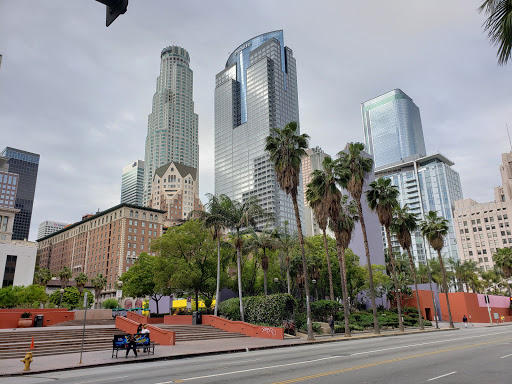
(472, 355)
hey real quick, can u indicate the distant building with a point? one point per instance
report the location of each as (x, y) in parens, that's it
(482, 228)
(132, 186)
(175, 190)
(26, 165)
(108, 242)
(8, 184)
(392, 128)
(48, 227)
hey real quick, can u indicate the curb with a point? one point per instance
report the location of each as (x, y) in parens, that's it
(235, 350)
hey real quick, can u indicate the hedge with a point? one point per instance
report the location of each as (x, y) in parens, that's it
(322, 309)
(268, 310)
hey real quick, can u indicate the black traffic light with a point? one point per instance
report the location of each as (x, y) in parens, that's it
(114, 8)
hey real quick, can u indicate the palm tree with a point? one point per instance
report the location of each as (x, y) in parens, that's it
(503, 261)
(499, 26)
(286, 148)
(64, 275)
(382, 197)
(287, 242)
(321, 212)
(214, 220)
(43, 277)
(238, 216)
(98, 283)
(435, 228)
(405, 222)
(458, 272)
(352, 171)
(265, 240)
(81, 279)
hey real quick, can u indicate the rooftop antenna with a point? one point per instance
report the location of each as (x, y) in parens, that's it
(510, 142)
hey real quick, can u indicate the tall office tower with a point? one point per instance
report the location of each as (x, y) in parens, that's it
(255, 92)
(48, 227)
(172, 123)
(25, 164)
(8, 184)
(392, 128)
(132, 185)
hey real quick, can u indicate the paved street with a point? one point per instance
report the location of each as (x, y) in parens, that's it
(473, 355)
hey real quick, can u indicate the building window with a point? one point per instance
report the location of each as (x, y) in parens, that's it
(131, 213)
(9, 271)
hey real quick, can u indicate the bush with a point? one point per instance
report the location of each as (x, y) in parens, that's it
(301, 321)
(109, 304)
(269, 310)
(322, 309)
(24, 297)
(71, 298)
(154, 315)
(317, 328)
(427, 323)
(410, 310)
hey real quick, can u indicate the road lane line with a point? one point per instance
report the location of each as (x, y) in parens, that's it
(385, 362)
(439, 377)
(502, 357)
(106, 379)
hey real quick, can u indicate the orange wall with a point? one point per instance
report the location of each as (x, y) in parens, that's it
(159, 336)
(425, 302)
(465, 303)
(136, 317)
(9, 317)
(244, 328)
(179, 319)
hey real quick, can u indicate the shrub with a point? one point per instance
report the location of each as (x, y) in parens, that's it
(317, 328)
(301, 320)
(269, 310)
(71, 298)
(427, 323)
(26, 315)
(322, 309)
(410, 311)
(153, 315)
(109, 304)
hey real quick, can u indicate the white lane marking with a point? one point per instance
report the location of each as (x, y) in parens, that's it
(502, 357)
(439, 377)
(105, 379)
(248, 370)
(426, 343)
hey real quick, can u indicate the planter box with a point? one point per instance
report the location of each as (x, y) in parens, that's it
(25, 323)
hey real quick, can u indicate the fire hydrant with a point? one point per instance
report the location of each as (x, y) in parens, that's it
(27, 360)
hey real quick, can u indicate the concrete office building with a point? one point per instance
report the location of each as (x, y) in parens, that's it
(175, 191)
(26, 165)
(256, 91)
(8, 184)
(132, 185)
(392, 128)
(48, 227)
(108, 242)
(172, 123)
(482, 228)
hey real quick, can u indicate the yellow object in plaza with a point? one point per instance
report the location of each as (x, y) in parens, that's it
(182, 303)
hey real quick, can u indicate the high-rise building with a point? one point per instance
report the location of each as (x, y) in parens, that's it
(172, 123)
(48, 227)
(25, 164)
(132, 185)
(482, 228)
(175, 190)
(255, 92)
(426, 183)
(392, 128)
(8, 184)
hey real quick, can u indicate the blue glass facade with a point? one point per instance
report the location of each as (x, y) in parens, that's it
(392, 128)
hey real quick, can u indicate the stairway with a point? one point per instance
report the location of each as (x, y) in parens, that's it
(198, 332)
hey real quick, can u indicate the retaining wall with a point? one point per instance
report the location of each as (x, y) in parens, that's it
(159, 336)
(9, 317)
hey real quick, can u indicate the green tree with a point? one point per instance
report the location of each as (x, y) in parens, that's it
(71, 298)
(43, 276)
(287, 242)
(353, 169)
(98, 283)
(503, 261)
(499, 26)
(403, 223)
(64, 275)
(185, 259)
(81, 279)
(435, 228)
(110, 304)
(32, 295)
(286, 148)
(266, 240)
(382, 197)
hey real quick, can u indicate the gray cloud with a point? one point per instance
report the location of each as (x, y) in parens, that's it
(79, 93)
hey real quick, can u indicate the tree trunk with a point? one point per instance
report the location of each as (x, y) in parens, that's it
(445, 287)
(413, 270)
(264, 273)
(395, 281)
(376, 328)
(157, 309)
(288, 276)
(331, 289)
(239, 269)
(197, 300)
(343, 273)
(304, 267)
(218, 278)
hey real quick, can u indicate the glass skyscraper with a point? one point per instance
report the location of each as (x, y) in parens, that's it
(255, 92)
(392, 128)
(172, 123)
(26, 165)
(132, 186)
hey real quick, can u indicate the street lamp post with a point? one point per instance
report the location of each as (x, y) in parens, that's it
(316, 289)
(61, 294)
(276, 280)
(119, 285)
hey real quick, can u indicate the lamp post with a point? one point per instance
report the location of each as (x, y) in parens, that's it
(61, 294)
(119, 285)
(316, 289)
(276, 280)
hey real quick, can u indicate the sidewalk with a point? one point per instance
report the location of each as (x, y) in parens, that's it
(41, 364)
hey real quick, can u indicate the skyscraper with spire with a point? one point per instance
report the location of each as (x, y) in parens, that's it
(172, 124)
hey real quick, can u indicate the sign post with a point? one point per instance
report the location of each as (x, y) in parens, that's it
(488, 308)
(83, 330)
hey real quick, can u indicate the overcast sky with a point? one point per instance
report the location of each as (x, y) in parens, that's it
(79, 93)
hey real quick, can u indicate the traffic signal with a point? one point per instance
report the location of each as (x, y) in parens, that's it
(114, 8)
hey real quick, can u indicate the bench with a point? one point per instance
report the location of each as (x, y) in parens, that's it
(142, 341)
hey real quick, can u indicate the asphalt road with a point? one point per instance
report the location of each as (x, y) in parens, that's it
(473, 355)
